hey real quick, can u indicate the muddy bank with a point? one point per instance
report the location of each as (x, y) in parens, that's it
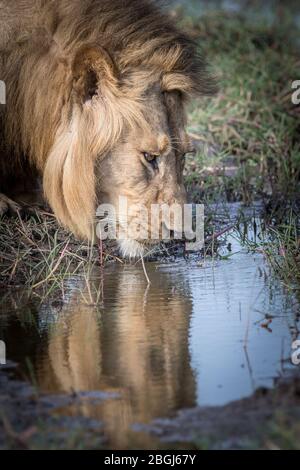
(31, 420)
(268, 419)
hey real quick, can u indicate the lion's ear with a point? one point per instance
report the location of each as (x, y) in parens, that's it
(93, 70)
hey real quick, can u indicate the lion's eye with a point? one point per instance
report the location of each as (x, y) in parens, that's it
(152, 159)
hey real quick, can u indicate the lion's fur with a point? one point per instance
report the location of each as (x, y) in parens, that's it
(51, 52)
(145, 348)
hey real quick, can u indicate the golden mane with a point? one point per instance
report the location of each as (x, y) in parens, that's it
(53, 53)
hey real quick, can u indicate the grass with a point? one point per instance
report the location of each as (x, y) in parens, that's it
(285, 256)
(248, 136)
(32, 248)
(280, 244)
(38, 254)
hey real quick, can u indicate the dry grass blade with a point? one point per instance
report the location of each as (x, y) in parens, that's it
(145, 271)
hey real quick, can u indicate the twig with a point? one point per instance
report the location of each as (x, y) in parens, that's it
(100, 250)
(218, 234)
(145, 272)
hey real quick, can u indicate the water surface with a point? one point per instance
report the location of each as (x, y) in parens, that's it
(197, 335)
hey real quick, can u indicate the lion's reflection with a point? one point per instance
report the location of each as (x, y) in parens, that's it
(135, 343)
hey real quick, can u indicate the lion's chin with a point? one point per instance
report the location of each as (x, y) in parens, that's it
(130, 248)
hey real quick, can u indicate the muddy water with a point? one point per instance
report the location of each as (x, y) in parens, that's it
(197, 336)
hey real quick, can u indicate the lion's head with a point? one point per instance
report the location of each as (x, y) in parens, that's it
(146, 163)
(105, 107)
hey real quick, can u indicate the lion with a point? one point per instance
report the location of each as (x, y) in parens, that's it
(137, 350)
(96, 94)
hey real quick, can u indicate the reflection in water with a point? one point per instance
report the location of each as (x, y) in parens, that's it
(136, 344)
(196, 336)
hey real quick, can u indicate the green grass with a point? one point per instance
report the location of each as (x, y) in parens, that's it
(249, 134)
(281, 247)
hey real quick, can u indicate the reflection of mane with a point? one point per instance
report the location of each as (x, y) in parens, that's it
(138, 347)
(52, 52)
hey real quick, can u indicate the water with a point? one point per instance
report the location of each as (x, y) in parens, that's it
(194, 337)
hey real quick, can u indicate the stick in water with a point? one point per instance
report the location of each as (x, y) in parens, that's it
(144, 268)
(100, 252)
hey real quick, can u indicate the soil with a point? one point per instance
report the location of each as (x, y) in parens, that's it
(264, 420)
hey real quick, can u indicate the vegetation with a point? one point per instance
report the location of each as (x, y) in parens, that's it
(249, 134)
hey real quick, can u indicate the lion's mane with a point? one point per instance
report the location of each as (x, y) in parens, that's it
(53, 53)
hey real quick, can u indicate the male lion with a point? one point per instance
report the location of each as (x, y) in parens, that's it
(95, 96)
